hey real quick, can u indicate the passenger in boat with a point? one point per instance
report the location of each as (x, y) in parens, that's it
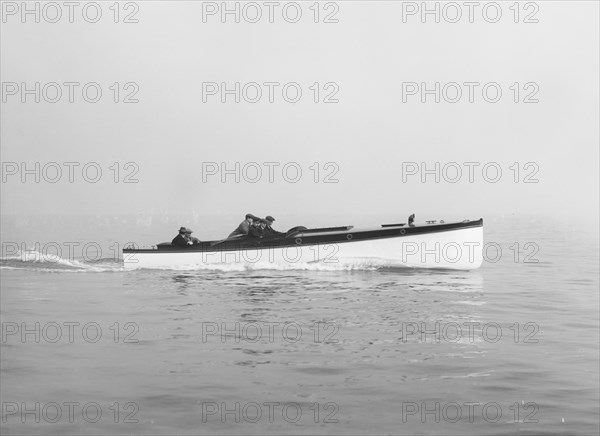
(189, 238)
(269, 231)
(257, 229)
(180, 240)
(244, 226)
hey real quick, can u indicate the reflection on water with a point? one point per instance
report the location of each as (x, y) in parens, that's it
(182, 281)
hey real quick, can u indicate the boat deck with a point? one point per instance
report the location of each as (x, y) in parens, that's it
(307, 237)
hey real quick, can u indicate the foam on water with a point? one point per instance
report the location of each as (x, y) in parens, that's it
(36, 261)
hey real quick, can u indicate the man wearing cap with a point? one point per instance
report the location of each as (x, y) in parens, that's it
(180, 240)
(268, 230)
(244, 226)
(191, 239)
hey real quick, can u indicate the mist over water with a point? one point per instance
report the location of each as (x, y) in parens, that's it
(355, 347)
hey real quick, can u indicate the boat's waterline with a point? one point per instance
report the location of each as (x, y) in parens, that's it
(459, 249)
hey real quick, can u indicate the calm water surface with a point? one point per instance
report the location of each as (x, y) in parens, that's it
(511, 348)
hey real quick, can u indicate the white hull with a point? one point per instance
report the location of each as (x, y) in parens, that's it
(459, 249)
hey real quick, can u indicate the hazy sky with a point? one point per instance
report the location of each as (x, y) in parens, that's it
(370, 137)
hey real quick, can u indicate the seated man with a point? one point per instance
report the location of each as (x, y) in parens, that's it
(257, 228)
(180, 240)
(244, 226)
(188, 237)
(269, 231)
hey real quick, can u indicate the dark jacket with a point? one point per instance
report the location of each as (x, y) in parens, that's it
(242, 229)
(272, 233)
(256, 232)
(180, 241)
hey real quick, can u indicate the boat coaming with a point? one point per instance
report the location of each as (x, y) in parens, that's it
(457, 245)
